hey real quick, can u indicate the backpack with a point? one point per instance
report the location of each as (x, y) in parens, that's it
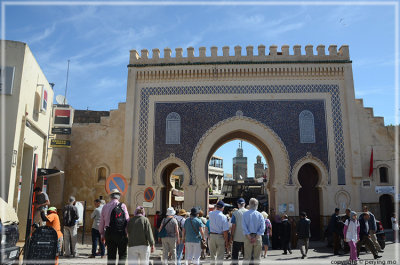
(180, 226)
(117, 219)
(69, 216)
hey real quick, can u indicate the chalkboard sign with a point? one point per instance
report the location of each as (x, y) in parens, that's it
(42, 246)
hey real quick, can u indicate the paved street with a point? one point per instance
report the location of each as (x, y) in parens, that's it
(318, 254)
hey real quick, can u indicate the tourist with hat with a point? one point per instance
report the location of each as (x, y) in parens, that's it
(171, 237)
(113, 221)
(70, 219)
(219, 228)
(180, 218)
(193, 234)
(351, 234)
(253, 228)
(237, 231)
(53, 221)
(140, 238)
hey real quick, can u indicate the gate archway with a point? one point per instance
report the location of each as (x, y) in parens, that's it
(309, 200)
(239, 127)
(387, 208)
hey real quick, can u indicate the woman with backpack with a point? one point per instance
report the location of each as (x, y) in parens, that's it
(140, 238)
(267, 233)
(169, 235)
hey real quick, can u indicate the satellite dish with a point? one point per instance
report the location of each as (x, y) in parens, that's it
(61, 100)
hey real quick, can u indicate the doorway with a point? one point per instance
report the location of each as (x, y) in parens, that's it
(309, 197)
(172, 194)
(387, 208)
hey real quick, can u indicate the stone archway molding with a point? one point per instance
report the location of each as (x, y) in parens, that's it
(272, 148)
(246, 125)
(172, 159)
(317, 163)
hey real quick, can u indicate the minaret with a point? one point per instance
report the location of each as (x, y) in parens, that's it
(239, 164)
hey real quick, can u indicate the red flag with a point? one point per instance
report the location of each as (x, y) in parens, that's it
(371, 162)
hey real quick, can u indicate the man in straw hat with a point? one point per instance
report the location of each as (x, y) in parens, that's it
(113, 221)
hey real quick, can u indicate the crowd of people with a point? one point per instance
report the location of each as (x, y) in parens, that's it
(244, 231)
(191, 236)
(357, 231)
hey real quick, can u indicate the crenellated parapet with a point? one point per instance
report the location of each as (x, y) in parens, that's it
(272, 55)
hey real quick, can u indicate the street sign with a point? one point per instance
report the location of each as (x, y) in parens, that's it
(116, 181)
(149, 194)
(147, 204)
(60, 143)
(63, 116)
(61, 130)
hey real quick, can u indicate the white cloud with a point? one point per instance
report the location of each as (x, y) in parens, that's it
(40, 37)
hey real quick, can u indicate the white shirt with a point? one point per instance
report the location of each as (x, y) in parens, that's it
(395, 226)
(352, 234)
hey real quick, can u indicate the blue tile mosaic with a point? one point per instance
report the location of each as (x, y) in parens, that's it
(280, 116)
(333, 90)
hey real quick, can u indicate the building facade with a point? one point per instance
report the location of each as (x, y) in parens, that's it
(298, 108)
(28, 98)
(215, 175)
(239, 164)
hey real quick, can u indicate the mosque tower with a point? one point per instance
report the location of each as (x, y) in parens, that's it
(239, 164)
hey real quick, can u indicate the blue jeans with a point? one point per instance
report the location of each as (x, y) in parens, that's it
(179, 253)
(97, 237)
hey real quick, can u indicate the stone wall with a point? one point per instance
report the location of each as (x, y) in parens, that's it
(94, 146)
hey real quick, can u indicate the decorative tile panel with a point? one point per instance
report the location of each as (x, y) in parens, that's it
(246, 107)
(307, 129)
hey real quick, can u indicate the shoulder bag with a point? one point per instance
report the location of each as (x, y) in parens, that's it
(163, 231)
(203, 244)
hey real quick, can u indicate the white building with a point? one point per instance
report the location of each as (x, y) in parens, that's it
(26, 99)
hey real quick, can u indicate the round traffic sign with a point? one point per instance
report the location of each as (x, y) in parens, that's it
(116, 181)
(149, 194)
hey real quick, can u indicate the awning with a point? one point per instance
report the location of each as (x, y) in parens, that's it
(215, 197)
(49, 172)
(176, 192)
(7, 213)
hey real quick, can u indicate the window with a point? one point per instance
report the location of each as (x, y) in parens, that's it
(307, 129)
(101, 174)
(173, 129)
(383, 174)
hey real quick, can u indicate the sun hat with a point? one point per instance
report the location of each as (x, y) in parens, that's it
(115, 191)
(182, 212)
(194, 211)
(171, 211)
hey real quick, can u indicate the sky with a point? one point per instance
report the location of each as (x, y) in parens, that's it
(97, 40)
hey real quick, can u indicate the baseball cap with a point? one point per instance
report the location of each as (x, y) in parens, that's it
(220, 204)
